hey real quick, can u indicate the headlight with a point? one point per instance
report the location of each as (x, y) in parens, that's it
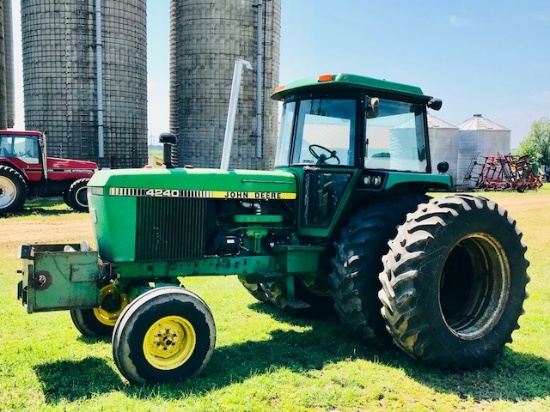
(96, 191)
(373, 181)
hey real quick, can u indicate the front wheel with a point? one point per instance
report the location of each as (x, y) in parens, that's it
(13, 190)
(453, 283)
(100, 321)
(166, 334)
(77, 195)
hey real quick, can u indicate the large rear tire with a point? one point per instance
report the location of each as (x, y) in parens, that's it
(454, 282)
(165, 334)
(13, 190)
(358, 262)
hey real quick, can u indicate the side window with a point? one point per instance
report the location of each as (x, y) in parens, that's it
(395, 138)
(6, 144)
(325, 132)
(285, 135)
(26, 148)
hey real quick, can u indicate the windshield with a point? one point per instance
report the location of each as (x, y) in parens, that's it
(325, 130)
(395, 139)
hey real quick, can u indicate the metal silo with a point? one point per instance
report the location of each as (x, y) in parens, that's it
(479, 137)
(444, 146)
(206, 38)
(84, 70)
(6, 66)
(3, 95)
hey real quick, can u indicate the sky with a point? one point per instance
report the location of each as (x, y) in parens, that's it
(490, 58)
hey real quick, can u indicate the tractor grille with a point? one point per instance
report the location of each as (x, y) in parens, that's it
(170, 228)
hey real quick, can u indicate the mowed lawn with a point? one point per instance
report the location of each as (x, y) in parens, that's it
(264, 360)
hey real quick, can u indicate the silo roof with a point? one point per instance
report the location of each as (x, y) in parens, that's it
(437, 123)
(478, 122)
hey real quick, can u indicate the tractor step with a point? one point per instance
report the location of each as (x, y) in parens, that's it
(265, 276)
(298, 304)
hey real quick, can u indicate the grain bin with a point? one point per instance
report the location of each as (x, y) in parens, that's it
(479, 137)
(206, 38)
(444, 145)
(84, 73)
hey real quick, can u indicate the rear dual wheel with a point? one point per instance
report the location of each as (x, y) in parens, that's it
(453, 283)
(165, 334)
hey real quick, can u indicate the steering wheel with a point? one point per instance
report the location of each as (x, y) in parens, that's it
(322, 158)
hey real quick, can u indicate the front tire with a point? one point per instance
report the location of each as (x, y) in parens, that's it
(454, 282)
(166, 334)
(77, 195)
(100, 321)
(13, 190)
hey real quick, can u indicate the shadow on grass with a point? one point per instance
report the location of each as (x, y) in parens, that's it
(513, 377)
(42, 207)
(76, 380)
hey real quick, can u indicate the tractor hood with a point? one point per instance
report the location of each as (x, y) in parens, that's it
(135, 211)
(195, 183)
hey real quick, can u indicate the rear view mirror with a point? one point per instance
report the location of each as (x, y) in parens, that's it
(435, 104)
(372, 108)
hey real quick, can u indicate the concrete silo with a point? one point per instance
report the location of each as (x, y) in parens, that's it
(84, 73)
(444, 146)
(6, 66)
(479, 137)
(206, 38)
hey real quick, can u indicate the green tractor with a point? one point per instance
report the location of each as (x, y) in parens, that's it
(343, 222)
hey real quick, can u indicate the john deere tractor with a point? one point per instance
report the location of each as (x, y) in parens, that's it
(342, 222)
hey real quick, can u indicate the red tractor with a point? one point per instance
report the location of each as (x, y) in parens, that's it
(26, 170)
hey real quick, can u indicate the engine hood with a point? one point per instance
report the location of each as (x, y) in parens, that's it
(195, 183)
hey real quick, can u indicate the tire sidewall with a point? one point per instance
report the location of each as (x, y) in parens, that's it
(74, 195)
(436, 252)
(87, 323)
(141, 314)
(20, 187)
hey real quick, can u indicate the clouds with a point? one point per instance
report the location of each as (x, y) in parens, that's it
(455, 21)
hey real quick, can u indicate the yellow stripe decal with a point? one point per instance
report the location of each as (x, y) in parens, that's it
(200, 194)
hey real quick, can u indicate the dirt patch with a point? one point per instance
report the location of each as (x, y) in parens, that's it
(48, 229)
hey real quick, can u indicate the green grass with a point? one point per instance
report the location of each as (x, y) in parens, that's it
(269, 361)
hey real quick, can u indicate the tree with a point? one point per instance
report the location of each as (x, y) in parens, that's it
(537, 143)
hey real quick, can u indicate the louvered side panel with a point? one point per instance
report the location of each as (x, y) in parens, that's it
(170, 228)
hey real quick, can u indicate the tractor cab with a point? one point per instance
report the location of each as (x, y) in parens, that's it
(347, 136)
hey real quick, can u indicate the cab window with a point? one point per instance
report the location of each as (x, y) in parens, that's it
(395, 138)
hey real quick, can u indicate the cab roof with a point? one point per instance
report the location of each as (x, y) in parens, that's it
(344, 81)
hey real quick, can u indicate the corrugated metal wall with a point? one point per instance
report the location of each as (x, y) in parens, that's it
(206, 39)
(479, 137)
(59, 70)
(3, 95)
(444, 146)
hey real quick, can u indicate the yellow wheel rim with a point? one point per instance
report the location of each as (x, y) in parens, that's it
(105, 316)
(169, 342)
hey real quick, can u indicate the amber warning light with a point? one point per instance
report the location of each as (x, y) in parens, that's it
(325, 78)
